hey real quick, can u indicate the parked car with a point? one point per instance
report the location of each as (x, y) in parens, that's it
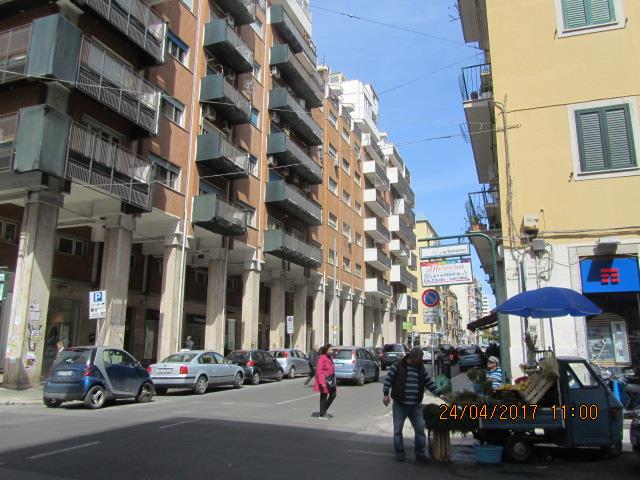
(95, 375)
(634, 432)
(470, 356)
(355, 364)
(447, 355)
(426, 354)
(258, 365)
(292, 361)
(391, 353)
(194, 369)
(376, 353)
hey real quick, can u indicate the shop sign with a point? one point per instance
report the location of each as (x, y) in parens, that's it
(452, 271)
(459, 250)
(407, 325)
(609, 274)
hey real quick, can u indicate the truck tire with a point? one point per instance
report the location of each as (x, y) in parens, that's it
(518, 449)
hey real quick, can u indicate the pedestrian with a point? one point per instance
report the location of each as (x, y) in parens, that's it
(494, 372)
(406, 382)
(312, 356)
(325, 380)
(60, 347)
(188, 343)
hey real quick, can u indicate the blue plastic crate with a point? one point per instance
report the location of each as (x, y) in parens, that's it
(488, 453)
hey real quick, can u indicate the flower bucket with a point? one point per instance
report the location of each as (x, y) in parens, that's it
(491, 454)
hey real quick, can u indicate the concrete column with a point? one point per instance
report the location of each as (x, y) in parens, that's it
(334, 318)
(277, 313)
(250, 304)
(358, 321)
(347, 321)
(300, 317)
(368, 322)
(377, 327)
(116, 263)
(216, 303)
(171, 305)
(390, 317)
(318, 314)
(28, 316)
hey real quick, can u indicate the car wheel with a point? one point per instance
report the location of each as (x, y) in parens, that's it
(237, 381)
(51, 402)
(95, 397)
(360, 379)
(278, 375)
(160, 390)
(255, 380)
(201, 385)
(376, 377)
(292, 373)
(518, 450)
(145, 394)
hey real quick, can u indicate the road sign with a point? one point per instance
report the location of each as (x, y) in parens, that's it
(444, 251)
(290, 324)
(97, 304)
(431, 316)
(407, 325)
(430, 298)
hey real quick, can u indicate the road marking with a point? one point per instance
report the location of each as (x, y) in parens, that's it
(176, 424)
(296, 399)
(46, 454)
(364, 452)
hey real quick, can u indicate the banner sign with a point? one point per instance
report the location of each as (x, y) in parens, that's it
(443, 251)
(446, 272)
(609, 274)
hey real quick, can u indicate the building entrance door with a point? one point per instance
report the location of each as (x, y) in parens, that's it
(62, 325)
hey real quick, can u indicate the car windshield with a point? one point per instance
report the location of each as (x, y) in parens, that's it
(342, 354)
(180, 358)
(238, 357)
(72, 357)
(280, 354)
(467, 351)
(392, 348)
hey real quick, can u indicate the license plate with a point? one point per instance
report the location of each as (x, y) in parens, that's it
(165, 370)
(65, 373)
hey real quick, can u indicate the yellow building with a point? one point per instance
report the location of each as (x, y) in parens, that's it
(552, 118)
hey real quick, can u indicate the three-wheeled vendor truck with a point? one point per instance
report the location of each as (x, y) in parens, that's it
(575, 410)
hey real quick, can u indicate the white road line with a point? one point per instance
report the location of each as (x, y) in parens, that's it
(364, 452)
(46, 454)
(176, 424)
(296, 399)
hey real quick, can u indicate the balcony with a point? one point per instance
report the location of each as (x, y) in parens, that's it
(217, 215)
(216, 152)
(405, 303)
(287, 29)
(373, 199)
(289, 199)
(14, 53)
(398, 226)
(137, 22)
(243, 11)
(400, 274)
(377, 287)
(221, 40)
(289, 154)
(371, 147)
(476, 88)
(401, 185)
(473, 18)
(483, 210)
(287, 247)
(399, 250)
(298, 11)
(376, 175)
(377, 259)
(376, 230)
(291, 112)
(225, 99)
(307, 85)
(401, 207)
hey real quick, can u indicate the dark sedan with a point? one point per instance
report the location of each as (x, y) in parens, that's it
(469, 357)
(258, 365)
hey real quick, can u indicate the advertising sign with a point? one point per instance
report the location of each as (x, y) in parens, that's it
(446, 272)
(443, 251)
(609, 274)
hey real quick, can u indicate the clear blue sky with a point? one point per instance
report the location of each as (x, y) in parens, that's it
(442, 171)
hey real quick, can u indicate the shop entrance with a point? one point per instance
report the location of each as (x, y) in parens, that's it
(62, 325)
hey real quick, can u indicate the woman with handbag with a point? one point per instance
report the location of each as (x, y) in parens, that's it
(325, 380)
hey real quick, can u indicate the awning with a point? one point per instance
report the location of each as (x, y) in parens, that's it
(484, 323)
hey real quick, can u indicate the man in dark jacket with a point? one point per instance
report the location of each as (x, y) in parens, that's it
(407, 380)
(313, 362)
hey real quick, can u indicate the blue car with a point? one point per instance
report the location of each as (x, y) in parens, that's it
(356, 364)
(95, 375)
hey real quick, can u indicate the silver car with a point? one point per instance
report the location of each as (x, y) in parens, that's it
(194, 369)
(293, 362)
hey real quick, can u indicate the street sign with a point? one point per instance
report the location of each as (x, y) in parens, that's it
(97, 304)
(444, 251)
(290, 324)
(431, 316)
(407, 325)
(430, 298)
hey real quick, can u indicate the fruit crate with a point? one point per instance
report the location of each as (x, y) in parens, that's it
(536, 387)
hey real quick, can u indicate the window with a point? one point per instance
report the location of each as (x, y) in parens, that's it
(333, 221)
(253, 165)
(255, 117)
(346, 198)
(177, 48)
(333, 151)
(166, 173)
(257, 71)
(252, 218)
(71, 246)
(8, 231)
(331, 259)
(358, 270)
(172, 109)
(346, 166)
(274, 224)
(605, 138)
(580, 376)
(333, 119)
(346, 264)
(258, 27)
(357, 207)
(576, 17)
(346, 230)
(333, 186)
(357, 178)
(188, 3)
(234, 284)
(358, 239)
(345, 135)
(201, 277)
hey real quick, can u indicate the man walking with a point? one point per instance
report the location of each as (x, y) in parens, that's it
(407, 380)
(313, 362)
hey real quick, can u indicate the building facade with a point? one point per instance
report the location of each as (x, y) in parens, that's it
(558, 161)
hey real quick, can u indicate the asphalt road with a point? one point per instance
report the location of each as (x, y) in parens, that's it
(264, 432)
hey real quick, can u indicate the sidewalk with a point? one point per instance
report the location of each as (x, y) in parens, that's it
(31, 396)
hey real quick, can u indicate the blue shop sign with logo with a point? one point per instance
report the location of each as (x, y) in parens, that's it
(610, 274)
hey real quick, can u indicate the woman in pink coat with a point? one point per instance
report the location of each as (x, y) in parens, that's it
(325, 380)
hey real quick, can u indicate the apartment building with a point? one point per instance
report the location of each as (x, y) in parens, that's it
(555, 136)
(186, 158)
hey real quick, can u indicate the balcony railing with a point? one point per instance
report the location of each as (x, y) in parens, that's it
(215, 214)
(293, 202)
(137, 21)
(243, 11)
(373, 199)
(401, 207)
(222, 41)
(287, 29)
(289, 154)
(476, 82)
(400, 274)
(377, 258)
(286, 246)
(14, 48)
(216, 152)
(8, 130)
(369, 143)
(375, 229)
(398, 225)
(483, 210)
(112, 82)
(291, 112)
(376, 175)
(308, 85)
(377, 286)
(224, 98)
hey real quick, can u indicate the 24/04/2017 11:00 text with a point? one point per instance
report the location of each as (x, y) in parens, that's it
(512, 412)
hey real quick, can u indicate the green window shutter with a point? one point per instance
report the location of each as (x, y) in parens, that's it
(619, 137)
(574, 13)
(590, 141)
(600, 11)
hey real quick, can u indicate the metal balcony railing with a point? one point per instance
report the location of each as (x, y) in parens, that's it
(483, 210)
(374, 172)
(372, 224)
(137, 21)
(373, 195)
(244, 11)
(109, 80)
(380, 286)
(299, 43)
(14, 47)
(279, 192)
(231, 213)
(8, 129)
(369, 143)
(223, 41)
(476, 83)
(290, 248)
(308, 205)
(377, 255)
(307, 84)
